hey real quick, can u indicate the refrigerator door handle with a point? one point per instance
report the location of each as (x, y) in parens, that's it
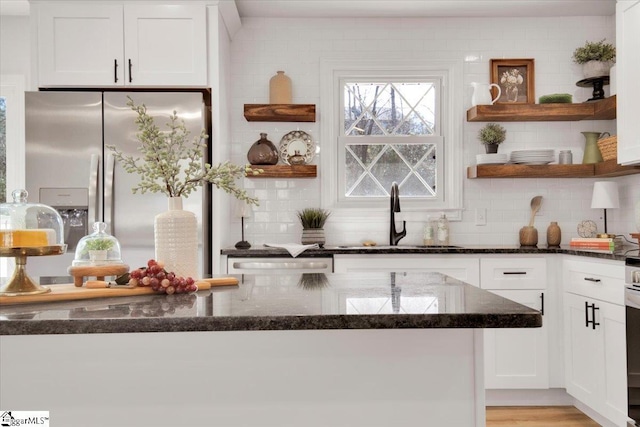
(94, 170)
(109, 169)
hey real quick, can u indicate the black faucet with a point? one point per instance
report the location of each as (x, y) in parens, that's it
(394, 236)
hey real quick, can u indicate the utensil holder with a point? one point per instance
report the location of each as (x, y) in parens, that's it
(528, 236)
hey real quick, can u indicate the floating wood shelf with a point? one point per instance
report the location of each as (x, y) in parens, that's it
(280, 112)
(608, 168)
(286, 171)
(596, 110)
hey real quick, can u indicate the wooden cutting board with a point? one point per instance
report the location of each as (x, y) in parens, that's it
(70, 292)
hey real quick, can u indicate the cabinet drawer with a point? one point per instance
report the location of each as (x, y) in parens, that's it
(595, 279)
(513, 273)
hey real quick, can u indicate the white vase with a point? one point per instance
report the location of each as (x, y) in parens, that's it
(176, 239)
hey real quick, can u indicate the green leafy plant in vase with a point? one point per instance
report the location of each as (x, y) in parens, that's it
(492, 135)
(596, 58)
(313, 220)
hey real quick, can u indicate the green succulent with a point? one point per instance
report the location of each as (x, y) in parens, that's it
(594, 51)
(492, 133)
(98, 244)
(313, 217)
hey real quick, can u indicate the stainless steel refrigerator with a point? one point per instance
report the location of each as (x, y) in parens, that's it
(69, 167)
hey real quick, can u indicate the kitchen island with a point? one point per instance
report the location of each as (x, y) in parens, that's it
(282, 350)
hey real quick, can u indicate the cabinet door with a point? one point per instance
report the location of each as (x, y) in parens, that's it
(583, 355)
(614, 388)
(80, 45)
(628, 64)
(595, 360)
(517, 358)
(165, 45)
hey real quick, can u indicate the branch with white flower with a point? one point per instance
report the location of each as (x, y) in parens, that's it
(173, 165)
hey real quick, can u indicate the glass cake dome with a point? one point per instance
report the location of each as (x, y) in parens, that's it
(27, 230)
(98, 248)
(28, 225)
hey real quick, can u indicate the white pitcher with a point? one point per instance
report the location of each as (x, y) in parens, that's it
(482, 94)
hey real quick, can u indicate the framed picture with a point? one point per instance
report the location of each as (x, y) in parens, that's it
(516, 80)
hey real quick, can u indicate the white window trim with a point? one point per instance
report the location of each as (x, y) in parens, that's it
(451, 127)
(12, 88)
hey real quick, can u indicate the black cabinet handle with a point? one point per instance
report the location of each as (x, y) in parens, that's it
(593, 316)
(586, 314)
(542, 303)
(115, 71)
(514, 272)
(591, 279)
(130, 65)
(593, 308)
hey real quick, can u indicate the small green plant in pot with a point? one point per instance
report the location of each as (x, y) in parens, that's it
(596, 58)
(492, 135)
(313, 220)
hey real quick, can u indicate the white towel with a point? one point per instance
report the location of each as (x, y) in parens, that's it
(294, 249)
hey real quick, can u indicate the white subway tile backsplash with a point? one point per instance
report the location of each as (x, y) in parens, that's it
(264, 45)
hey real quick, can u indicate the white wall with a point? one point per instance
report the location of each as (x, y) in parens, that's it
(266, 45)
(15, 49)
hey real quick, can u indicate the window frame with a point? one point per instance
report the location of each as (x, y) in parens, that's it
(333, 72)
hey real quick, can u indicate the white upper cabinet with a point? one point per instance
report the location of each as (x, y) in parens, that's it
(628, 66)
(121, 45)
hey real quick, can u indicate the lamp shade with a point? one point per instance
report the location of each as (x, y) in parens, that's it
(605, 195)
(242, 209)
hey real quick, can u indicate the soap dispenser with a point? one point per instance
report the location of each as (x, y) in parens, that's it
(442, 233)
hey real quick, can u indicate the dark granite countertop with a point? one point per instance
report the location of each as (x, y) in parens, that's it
(618, 255)
(283, 302)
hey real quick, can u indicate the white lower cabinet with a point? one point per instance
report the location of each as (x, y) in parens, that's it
(517, 358)
(461, 267)
(595, 340)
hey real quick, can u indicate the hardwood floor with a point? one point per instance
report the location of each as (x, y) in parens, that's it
(537, 416)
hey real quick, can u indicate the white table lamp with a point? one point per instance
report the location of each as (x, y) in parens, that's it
(605, 196)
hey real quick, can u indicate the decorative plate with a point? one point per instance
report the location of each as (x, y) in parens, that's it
(297, 141)
(587, 228)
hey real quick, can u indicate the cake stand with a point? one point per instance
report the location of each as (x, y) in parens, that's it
(20, 283)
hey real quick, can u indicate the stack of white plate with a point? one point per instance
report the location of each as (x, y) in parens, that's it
(532, 157)
(491, 159)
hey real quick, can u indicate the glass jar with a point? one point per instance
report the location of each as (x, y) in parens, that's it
(98, 248)
(565, 157)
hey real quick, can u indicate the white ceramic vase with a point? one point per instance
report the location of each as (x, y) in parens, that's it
(176, 239)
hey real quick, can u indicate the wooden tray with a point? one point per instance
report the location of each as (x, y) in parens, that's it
(70, 292)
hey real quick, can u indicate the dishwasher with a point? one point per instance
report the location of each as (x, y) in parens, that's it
(268, 265)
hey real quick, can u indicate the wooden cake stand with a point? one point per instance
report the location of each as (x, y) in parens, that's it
(79, 272)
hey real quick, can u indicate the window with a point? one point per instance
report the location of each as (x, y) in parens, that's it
(390, 133)
(386, 124)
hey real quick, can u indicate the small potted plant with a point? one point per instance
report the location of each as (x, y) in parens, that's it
(98, 248)
(596, 58)
(491, 135)
(313, 220)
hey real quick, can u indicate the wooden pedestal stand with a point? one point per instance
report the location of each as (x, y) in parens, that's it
(79, 272)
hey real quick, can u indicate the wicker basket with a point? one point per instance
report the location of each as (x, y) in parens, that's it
(608, 147)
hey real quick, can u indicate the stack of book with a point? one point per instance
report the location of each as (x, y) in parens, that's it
(595, 243)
